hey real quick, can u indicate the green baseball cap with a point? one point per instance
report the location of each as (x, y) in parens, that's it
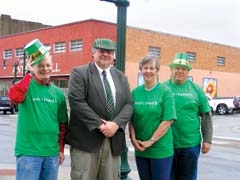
(181, 59)
(106, 44)
(36, 50)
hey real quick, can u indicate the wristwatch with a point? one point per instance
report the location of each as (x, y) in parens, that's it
(152, 139)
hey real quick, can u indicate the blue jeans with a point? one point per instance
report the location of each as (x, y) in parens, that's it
(37, 168)
(154, 169)
(185, 163)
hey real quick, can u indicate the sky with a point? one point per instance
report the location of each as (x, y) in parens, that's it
(216, 21)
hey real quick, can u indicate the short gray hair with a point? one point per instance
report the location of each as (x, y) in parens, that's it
(149, 58)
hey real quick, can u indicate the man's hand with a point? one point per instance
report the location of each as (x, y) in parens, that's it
(108, 128)
(206, 147)
(61, 157)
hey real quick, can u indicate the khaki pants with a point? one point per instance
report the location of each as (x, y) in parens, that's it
(95, 166)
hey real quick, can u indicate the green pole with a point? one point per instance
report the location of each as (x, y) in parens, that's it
(120, 64)
(121, 33)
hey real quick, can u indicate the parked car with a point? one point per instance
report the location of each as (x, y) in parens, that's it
(6, 105)
(211, 103)
(224, 105)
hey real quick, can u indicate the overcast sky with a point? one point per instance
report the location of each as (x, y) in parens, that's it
(211, 20)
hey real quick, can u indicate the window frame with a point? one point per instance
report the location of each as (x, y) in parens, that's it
(76, 45)
(154, 50)
(192, 56)
(60, 47)
(220, 61)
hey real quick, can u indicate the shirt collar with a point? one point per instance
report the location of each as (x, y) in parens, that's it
(41, 82)
(100, 70)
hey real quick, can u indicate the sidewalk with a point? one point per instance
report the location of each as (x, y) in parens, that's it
(7, 172)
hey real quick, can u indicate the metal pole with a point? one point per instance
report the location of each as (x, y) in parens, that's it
(120, 64)
(15, 72)
(24, 62)
(15, 66)
(121, 33)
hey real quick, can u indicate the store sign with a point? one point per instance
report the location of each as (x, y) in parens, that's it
(20, 68)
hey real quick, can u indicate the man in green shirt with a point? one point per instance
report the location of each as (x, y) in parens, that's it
(192, 131)
(42, 118)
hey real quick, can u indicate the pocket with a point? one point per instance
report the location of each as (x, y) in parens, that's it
(118, 143)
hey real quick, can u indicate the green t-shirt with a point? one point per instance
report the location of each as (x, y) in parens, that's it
(39, 116)
(151, 107)
(191, 102)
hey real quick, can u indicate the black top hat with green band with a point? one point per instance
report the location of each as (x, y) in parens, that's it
(181, 59)
(36, 50)
(106, 44)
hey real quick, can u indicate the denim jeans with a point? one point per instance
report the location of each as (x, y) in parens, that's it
(37, 168)
(185, 163)
(154, 169)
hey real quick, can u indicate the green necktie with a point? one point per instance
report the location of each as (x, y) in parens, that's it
(109, 97)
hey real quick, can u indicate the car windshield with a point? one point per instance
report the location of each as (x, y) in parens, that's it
(4, 98)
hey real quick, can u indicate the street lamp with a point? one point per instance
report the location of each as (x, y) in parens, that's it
(15, 70)
(4, 66)
(120, 64)
(24, 62)
(15, 66)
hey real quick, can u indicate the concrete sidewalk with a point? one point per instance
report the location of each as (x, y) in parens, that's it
(7, 172)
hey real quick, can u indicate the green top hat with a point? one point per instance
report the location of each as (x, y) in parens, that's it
(106, 44)
(36, 50)
(181, 59)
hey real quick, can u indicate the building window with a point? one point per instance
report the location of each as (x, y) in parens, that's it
(76, 45)
(220, 61)
(7, 54)
(19, 52)
(61, 83)
(59, 47)
(192, 56)
(154, 51)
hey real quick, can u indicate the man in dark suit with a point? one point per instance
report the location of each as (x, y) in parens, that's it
(97, 139)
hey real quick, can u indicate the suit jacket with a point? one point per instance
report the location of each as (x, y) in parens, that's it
(88, 104)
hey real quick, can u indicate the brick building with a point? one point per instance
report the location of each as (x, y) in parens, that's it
(71, 45)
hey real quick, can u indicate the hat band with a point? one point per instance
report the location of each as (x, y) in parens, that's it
(36, 55)
(181, 62)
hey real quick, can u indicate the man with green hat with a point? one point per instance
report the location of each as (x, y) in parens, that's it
(101, 106)
(42, 118)
(192, 131)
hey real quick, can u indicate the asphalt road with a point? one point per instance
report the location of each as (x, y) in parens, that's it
(221, 163)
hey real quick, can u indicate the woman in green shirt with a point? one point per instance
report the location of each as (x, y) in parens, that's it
(150, 127)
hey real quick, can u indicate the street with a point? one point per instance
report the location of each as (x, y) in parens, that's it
(221, 163)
